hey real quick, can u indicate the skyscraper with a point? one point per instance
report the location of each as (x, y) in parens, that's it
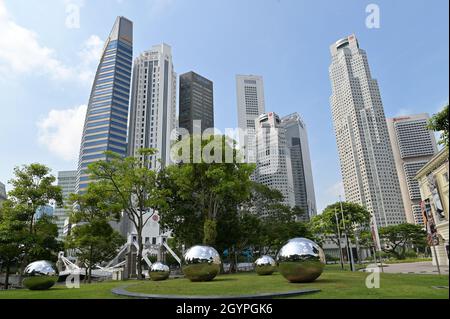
(67, 181)
(365, 152)
(106, 121)
(297, 143)
(196, 102)
(413, 146)
(153, 104)
(250, 104)
(273, 163)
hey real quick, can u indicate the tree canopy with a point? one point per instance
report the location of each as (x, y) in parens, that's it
(440, 122)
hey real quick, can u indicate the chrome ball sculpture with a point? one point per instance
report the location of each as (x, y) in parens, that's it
(265, 265)
(301, 260)
(40, 275)
(201, 263)
(159, 271)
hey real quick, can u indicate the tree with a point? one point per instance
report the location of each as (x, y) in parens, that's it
(44, 240)
(132, 188)
(93, 237)
(325, 225)
(397, 238)
(12, 233)
(279, 225)
(440, 122)
(33, 188)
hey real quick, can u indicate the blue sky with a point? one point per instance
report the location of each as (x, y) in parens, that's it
(46, 65)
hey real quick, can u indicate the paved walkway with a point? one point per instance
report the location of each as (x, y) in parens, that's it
(423, 267)
(121, 291)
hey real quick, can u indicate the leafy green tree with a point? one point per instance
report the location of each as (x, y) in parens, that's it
(13, 231)
(132, 188)
(93, 237)
(33, 188)
(204, 190)
(44, 240)
(440, 122)
(325, 225)
(397, 238)
(279, 225)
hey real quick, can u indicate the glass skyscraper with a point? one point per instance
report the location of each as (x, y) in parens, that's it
(105, 127)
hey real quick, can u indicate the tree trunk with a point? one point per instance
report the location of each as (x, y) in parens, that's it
(90, 264)
(139, 252)
(7, 276)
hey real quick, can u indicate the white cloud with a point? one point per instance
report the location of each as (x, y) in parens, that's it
(21, 53)
(403, 112)
(60, 131)
(89, 56)
(157, 7)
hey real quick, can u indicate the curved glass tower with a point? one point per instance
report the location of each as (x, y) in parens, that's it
(105, 127)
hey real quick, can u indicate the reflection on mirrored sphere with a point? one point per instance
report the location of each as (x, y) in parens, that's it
(265, 265)
(159, 271)
(201, 263)
(301, 260)
(40, 275)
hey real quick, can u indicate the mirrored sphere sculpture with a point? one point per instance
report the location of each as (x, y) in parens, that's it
(159, 271)
(201, 263)
(301, 260)
(265, 265)
(40, 275)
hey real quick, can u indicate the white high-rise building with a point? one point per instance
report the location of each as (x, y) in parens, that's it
(153, 103)
(297, 143)
(413, 146)
(67, 181)
(250, 104)
(2, 192)
(273, 164)
(365, 152)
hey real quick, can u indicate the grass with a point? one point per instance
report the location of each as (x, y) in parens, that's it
(334, 283)
(406, 260)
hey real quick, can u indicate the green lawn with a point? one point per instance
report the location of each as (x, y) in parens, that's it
(334, 284)
(406, 260)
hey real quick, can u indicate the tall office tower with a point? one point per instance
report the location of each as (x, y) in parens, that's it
(365, 152)
(297, 143)
(153, 104)
(105, 127)
(413, 146)
(196, 102)
(67, 181)
(250, 104)
(273, 163)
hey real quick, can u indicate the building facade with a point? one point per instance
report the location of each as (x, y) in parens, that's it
(67, 181)
(153, 104)
(297, 143)
(250, 104)
(105, 127)
(366, 159)
(196, 102)
(433, 182)
(2, 192)
(413, 145)
(273, 162)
